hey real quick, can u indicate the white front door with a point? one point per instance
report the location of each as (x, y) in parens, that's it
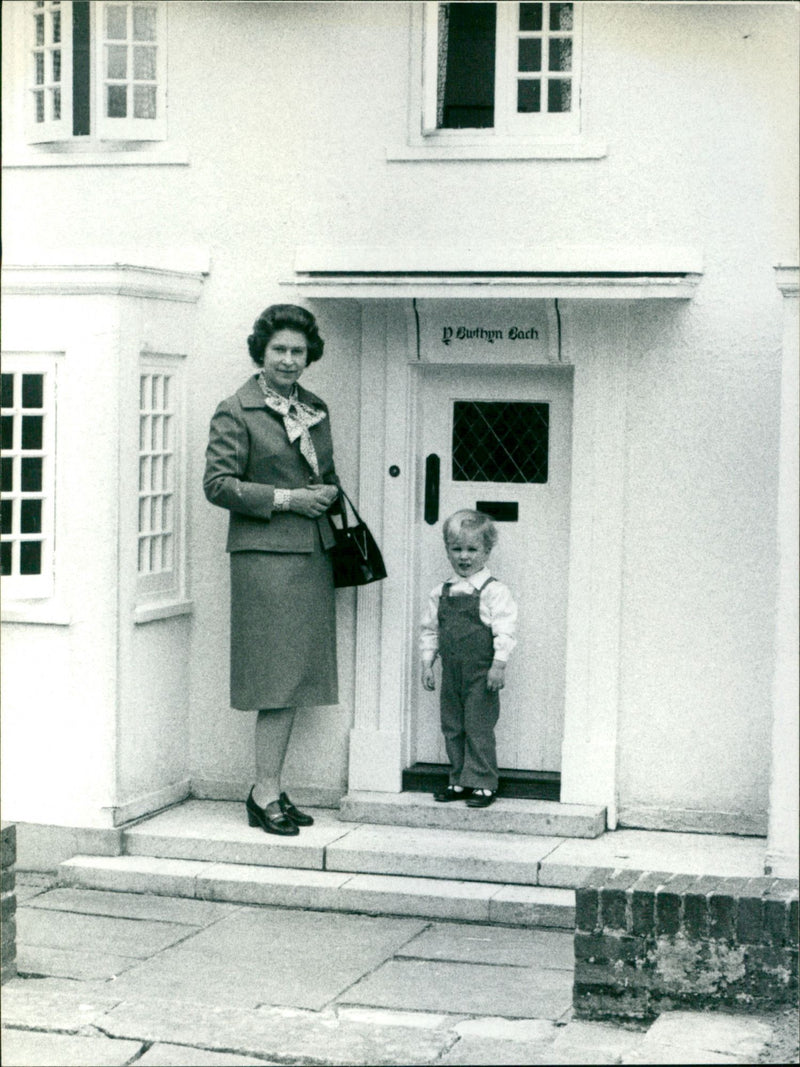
(500, 437)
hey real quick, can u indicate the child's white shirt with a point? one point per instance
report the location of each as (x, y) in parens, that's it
(497, 610)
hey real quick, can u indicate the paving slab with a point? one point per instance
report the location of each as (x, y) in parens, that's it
(26, 1048)
(735, 1035)
(376, 894)
(476, 1051)
(132, 906)
(521, 905)
(403, 850)
(679, 1054)
(36, 960)
(384, 1017)
(132, 874)
(532, 817)
(653, 850)
(54, 1005)
(24, 893)
(531, 1031)
(99, 933)
(271, 956)
(217, 832)
(289, 1037)
(164, 1055)
(473, 989)
(585, 1038)
(461, 942)
(289, 888)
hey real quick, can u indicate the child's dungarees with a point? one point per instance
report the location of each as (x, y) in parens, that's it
(469, 711)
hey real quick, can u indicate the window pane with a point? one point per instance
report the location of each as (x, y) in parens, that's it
(561, 16)
(529, 96)
(530, 17)
(56, 16)
(7, 390)
(30, 557)
(6, 515)
(559, 95)
(117, 61)
(144, 22)
(33, 390)
(144, 101)
(32, 427)
(500, 441)
(560, 54)
(56, 102)
(39, 100)
(39, 29)
(57, 65)
(7, 475)
(30, 516)
(31, 474)
(5, 558)
(39, 61)
(117, 101)
(144, 63)
(468, 97)
(6, 431)
(530, 54)
(116, 22)
(144, 473)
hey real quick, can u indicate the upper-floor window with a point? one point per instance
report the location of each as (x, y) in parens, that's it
(96, 70)
(507, 69)
(27, 500)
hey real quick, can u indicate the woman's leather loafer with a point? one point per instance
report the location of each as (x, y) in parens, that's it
(482, 800)
(271, 819)
(299, 818)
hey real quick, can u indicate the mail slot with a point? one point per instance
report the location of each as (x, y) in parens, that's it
(499, 510)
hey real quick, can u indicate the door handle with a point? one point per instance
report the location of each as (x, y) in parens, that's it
(432, 489)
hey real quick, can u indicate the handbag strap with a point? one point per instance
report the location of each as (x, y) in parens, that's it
(344, 509)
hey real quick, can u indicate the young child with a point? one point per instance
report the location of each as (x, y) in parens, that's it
(470, 621)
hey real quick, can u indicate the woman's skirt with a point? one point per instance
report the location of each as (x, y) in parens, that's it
(283, 630)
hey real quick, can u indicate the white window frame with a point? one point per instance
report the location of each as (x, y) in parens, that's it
(163, 583)
(539, 135)
(507, 121)
(103, 131)
(40, 586)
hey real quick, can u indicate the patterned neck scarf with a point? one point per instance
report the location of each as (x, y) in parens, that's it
(298, 418)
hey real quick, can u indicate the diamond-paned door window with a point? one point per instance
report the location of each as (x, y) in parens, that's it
(500, 441)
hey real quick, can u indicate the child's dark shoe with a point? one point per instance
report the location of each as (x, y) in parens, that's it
(451, 793)
(481, 798)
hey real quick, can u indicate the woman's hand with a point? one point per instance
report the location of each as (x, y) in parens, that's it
(314, 501)
(428, 679)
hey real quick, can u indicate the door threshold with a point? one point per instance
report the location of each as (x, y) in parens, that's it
(525, 785)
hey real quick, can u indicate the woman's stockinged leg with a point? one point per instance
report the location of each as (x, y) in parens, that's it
(273, 731)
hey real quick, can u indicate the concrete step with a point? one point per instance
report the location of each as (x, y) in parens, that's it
(541, 818)
(295, 887)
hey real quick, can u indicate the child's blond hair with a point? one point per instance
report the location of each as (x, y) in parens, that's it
(473, 522)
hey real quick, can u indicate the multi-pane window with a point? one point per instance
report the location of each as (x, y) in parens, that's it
(159, 518)
(27, 500)
(156, 474)
(97, 69)
(508, 69)
(500, 441)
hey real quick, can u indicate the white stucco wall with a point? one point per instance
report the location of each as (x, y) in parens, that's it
(286, 133)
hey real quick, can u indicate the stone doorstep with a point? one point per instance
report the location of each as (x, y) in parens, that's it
(432, 898)
(539, 818)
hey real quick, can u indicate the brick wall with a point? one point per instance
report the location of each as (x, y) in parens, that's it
(8, 901)
(647, 942)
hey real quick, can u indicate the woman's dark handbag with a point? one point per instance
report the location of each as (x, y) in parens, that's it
(356, 558)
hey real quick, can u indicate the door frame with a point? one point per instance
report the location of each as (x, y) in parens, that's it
(595, 343)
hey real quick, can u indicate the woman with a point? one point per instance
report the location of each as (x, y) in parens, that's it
(270, 463)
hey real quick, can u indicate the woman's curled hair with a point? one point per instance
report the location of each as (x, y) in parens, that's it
(284, 317)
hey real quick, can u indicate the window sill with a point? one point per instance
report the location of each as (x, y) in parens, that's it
(568, 148)
(112, 155)
(163, 610)
(36, 612)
